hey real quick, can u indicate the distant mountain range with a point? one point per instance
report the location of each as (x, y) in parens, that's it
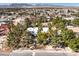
(30, 5)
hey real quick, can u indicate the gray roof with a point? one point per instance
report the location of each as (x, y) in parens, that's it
(4, 20)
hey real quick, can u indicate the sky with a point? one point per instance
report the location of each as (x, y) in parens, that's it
(39, 1)
(55, 2)
(62, 4)
(67, 4)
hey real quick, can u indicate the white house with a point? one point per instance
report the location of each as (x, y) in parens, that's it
(18, 20)
(74, 29)
(69, 18)
(34, 30)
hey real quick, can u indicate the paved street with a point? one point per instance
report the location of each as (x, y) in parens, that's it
(4, 54)
(21, 54)
(39, 53)
(50, 54)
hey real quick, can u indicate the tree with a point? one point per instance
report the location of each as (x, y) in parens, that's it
(58, 23)
(50, 30)
(34, 23)
(74, 44)
(75, 22)
(18, 35)
(67, 35)
(41, 37)
(67, 22)
(27, 23)
(14, 35)
(43, 19)
(57, 41)
(39, 25)
(26, 39)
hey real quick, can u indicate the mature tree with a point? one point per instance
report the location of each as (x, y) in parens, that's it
(34, 23)
(27, 22)
(39, 25)
(15, 35)
(55, 38)
(76, 14)
(67, 22)
(18, 35)
(43, 18)
(57, 41)
(74, 44)
(75, 22)
(67, 35)
(42, 37)
(50, 30)
(58, 23)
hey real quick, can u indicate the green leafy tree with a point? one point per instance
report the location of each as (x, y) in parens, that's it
(18, 35)
(50, 31)
(43, 19)
(75, 22)
(59, 23)
(14, 35)
(41, 37)
(67, 35)
(74, 44)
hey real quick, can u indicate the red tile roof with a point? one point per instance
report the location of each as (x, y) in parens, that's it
(4, 27)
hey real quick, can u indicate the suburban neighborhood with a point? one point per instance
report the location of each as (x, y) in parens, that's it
(39, 30)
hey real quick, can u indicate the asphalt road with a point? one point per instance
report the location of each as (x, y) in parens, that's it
(39, 54)
(35, 53)
(50, 54)
(21, 54)
(4, 54)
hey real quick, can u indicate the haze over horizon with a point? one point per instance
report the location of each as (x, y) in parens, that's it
(60, 4)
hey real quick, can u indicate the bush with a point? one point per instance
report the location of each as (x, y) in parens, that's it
(74, 44)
